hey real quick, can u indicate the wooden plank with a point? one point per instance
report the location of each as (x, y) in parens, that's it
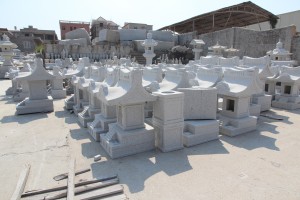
(116, 189)
(53, 189)
(71, 177)
(21, 183)
(65, 175)
(116, 197)
(84, 188)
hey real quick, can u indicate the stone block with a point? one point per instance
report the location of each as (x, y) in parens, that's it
(162, 36)
(168, 137)
(99, 126)
(58, 94)
(199, 103)
(264, 101)
(109, 35)
(254, 110)
(233, 127)
(132, 34)
(169, 107)
(200, 131)
(119, 143)
(28, 106)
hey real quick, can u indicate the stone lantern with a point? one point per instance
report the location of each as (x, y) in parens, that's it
(217, 50)
(231, 52)
(6, 51)
(149, 45)
(281, 57)
(197, 44)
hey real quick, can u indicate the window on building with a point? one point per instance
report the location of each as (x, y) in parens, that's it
(71, 28)
(287, 89)
(135, 27)
(63, 28)
(26, 44)
(26, 34)
(74, 28)
(101, 24)
(0, 49)
(230, 105)
(278, 83)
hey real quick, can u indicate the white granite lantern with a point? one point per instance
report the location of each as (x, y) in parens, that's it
(130, 134)
(231, 52)
(279, 56)
(6, 51)
(236, 88)
(216, 50)
(38, 100)
(149, 45)
(289, 97)
(197, 44)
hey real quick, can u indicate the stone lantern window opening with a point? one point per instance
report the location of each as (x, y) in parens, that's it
(287, 89)
(266, 87)
(230, 105)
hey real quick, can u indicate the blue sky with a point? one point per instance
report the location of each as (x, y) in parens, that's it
(46, 14)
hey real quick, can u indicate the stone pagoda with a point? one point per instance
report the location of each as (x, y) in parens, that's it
(197, 44)
(149, 45)
(38, 100)
(6, 51)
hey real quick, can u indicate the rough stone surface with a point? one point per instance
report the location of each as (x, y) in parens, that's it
(200, 131)
(199, 103)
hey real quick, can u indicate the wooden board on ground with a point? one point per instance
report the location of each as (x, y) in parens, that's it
(21, 183)
(71, 180)
(53, 189)
(83, 189)
(116, 189)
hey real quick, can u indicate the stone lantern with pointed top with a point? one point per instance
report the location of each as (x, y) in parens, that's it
(6, 51)
(149, 45)
(197, 44)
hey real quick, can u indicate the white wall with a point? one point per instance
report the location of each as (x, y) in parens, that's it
(284, 20)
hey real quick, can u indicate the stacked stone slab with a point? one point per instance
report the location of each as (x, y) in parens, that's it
(236, 88)
(38, 100)
(168, 120)
(200, 108)
(130, 134)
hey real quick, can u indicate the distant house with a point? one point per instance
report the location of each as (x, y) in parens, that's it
(130, 25)
(67, 26)
(25, 38)
(101, 23)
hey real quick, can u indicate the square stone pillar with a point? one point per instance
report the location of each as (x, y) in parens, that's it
(168, 120)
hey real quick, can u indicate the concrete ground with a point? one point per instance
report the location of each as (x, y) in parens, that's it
(264, 164)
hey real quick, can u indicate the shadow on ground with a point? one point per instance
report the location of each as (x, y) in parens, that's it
(23, 119)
